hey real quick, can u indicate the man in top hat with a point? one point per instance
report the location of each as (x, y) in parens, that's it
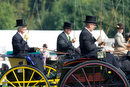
(89, 45)
(20, 46)
(119, 40)
(64, 42)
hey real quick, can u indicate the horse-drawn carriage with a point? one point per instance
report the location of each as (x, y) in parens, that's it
(76, 72)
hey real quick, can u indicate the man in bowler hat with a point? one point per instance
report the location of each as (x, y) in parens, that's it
(20, 46)
(89, 45)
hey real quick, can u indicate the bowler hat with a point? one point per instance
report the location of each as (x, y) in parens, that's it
(20, 22)
(67, 25)
(119, 26)
(90, 19)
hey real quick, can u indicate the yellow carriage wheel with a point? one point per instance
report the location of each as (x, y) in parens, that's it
(50, 71)
(24, 76)
(51, 75)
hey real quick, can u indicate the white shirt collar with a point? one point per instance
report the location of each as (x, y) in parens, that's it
(88, 30)
(21, 35)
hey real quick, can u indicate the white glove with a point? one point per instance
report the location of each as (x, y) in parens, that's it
(26, 36)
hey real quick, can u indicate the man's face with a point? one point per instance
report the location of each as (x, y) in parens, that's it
(92, 26)
(67, 31)
(23, 29)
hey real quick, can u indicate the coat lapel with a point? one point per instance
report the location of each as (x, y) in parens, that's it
(65, 37)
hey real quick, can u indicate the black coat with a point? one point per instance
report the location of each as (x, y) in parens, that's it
(63, 44)
(87, 42)
(88, 47)
(19, 45)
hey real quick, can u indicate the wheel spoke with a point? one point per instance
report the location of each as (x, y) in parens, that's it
(37, 82)
(30, 78)
(102, 74)
(52, 73)
(94, 75)
(9, 82)
(48, 72)
(77, 80)
(16, 78)
(86, 77)
(23, 77)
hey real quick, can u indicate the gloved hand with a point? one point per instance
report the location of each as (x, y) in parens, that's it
(73, 40)
(26, 36)
(36, 49)
(99, 40)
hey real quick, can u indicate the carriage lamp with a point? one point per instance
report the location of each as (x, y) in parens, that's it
(101, 53)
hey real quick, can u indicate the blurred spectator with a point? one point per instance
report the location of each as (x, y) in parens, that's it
(45, 51)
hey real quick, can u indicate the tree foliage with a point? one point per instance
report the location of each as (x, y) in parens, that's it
(51, 14)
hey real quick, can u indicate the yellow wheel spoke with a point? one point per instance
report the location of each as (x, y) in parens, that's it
(16, 78)
(9, 82)
(30, 78)
(38, 82)
(48, 72)
(23, 77)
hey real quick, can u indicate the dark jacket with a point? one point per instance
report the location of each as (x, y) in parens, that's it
(87, 42)
(89, 49)
(63, 44)
(20, 46)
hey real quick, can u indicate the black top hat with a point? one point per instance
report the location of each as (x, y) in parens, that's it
(119, 26)
(20, 22)
(90, 19)
(67, 25)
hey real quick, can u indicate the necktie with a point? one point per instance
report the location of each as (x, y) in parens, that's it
(68, 38)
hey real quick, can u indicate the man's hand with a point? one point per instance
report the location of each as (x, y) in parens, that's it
(73, 40)
(26, 36)
(99, 40)
(36, 49)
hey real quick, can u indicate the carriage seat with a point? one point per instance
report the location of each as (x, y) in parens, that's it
(17, 60)
(20, 59)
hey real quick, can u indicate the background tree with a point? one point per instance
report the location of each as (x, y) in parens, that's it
(51, 14)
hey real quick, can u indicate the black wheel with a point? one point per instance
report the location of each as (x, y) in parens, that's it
(94, 74)
(24, 76)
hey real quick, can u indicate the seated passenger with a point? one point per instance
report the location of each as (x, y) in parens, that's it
(20, 46)
(64, 42)
(119, 40)
(89, 45)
